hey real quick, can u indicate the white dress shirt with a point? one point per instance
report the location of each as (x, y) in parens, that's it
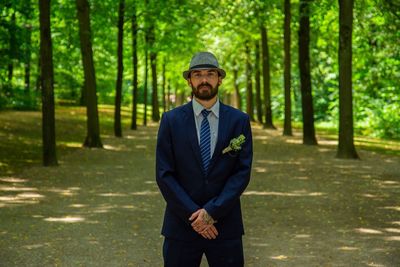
(213, 119)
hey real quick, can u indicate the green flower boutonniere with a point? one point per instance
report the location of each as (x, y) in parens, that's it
(235, 144)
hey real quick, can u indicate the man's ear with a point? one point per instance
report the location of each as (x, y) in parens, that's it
(219, 80)
(189, 82)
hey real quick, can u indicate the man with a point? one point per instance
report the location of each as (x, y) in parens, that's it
(200, 181)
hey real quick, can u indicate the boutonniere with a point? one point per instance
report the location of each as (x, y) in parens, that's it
(235, 144)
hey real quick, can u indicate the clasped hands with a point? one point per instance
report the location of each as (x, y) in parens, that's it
(203, 224)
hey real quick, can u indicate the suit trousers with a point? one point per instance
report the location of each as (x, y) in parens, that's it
(219, 253)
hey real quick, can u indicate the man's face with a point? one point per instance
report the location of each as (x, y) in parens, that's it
(204, 83)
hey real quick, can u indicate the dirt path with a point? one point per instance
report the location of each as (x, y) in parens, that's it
(303, 207)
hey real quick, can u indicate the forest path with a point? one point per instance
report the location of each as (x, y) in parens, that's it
(303, 207)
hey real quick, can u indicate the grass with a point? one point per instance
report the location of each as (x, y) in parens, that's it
(21, 145)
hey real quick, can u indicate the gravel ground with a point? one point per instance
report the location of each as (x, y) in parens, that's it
(303, 207)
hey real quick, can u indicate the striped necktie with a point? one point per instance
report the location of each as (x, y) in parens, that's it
(205, 140)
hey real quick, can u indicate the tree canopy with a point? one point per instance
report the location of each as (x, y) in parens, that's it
(180, 28)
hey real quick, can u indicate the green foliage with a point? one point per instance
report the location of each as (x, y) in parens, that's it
(224, 27)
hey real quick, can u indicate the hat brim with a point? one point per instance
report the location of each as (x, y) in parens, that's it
(221, 72)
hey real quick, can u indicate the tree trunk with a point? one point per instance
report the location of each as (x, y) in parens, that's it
(169, 95)
(258, 83)
(266, 79)
(146, 72)
(163, 87)
(13, 50)
(38, 75)
(48, 113)
(346, 147)
(305, 77)
(236, 85)
(118, 92)
(134, 27)
(28, 59)
(249, 85)
(287, 125)
(93, 128)
(155, 115)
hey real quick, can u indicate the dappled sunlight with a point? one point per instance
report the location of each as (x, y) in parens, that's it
(104, 208)
(113, 148)
(260, 137)
(320, 149)
(388, 184)
(327, 142)
(22, 198)
(396, 208)
(370, 196)
(260, 169)
(144, 137)
(146, 193)
(129, 207)
(301, 178)
(395, 223)
(78, 206)
(392, 230)
(302, 236)
(13, 180)
(16, 188)
(66, 219)
(294, 141)
(368, 231)
(392, 238)
(272, 162)
(71, 144)
(280, 257)
(346, 248)
(300, 193)
(112, 195)
(69, 192)
(141, 146)
(35, 246)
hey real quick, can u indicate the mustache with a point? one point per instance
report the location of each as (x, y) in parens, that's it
(204, 84)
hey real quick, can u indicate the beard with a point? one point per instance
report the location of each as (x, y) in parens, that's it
(205, 91)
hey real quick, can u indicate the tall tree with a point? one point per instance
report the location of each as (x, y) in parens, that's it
(305, 76)
(249, 84)
(118, 90)
(47, 80)
(163, 86)
(93, 128)
(236, 86)
(346, 147)
(28, 50)
(258, 82)
(266, 78)
(13, 50)
(155, 115)
(145, 89)
(287, 126)
(134, 29)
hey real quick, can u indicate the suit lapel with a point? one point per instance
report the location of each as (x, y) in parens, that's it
(192, 132)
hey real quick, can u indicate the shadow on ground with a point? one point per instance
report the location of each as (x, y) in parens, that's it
(303, 207)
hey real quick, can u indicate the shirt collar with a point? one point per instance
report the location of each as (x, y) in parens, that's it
(197, 108)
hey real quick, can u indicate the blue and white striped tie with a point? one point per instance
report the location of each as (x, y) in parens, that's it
(205, 140)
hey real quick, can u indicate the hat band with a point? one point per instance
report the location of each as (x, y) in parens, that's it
(203, 66)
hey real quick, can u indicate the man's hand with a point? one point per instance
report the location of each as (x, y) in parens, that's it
(203, 224)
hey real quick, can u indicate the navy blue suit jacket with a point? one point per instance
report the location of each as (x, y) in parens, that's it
(181, 179)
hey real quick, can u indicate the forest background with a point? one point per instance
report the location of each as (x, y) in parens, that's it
(165, 34)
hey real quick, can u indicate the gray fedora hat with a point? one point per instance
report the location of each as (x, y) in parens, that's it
(203, 61)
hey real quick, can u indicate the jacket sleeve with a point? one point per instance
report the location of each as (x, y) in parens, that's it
(174, 194)
(220, 205)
